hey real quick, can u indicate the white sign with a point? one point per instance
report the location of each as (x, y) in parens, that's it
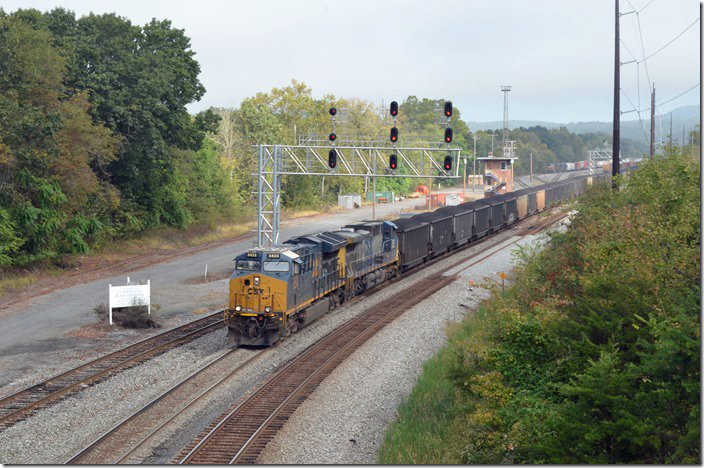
(128, 296)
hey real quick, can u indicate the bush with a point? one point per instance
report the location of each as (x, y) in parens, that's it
(593, 356)
(129, 317)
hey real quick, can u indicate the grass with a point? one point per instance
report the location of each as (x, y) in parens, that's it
(423, 431)
(163, 239)
(15, 281)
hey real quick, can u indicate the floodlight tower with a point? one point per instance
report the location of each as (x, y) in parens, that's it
(505, 90)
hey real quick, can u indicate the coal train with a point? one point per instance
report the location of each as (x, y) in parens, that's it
(276, 290)
(626, 164)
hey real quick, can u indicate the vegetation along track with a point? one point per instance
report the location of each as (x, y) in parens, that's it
(240, 435)
(122, 442)
(23, 404)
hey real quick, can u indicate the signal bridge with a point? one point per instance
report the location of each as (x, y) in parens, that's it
(275, 161)
(598, 154)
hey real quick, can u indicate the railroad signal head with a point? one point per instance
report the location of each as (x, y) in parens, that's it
(393, 161)
(448, 108)
(332, 159)
(394, 108)
(333, 111)
(332, 137)
(448, 162)
(394, 134)
(448, 135)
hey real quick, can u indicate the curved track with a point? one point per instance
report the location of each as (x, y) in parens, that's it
(119, 444)
(240, 435)
(23, 404)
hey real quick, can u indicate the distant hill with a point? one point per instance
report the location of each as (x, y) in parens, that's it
(630, 129)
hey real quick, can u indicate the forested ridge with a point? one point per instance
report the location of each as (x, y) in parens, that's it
(96, 143)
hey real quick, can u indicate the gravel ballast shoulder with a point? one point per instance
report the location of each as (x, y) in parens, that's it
(342, 422)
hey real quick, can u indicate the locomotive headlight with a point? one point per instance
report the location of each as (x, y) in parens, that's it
(267, 309)
(256, 281)
(238, 308)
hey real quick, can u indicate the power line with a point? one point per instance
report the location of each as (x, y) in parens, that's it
(629, 51)
(673, 40)
(642, 48)
(685, 92)
(646, 6)
(658, 105)
(639, 119)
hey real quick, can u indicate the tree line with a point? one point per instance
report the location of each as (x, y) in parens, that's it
(96, 142)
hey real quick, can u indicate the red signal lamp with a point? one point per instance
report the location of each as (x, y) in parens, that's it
(448, 162)
(394, 134)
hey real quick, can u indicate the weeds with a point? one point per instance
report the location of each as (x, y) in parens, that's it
(136, 317)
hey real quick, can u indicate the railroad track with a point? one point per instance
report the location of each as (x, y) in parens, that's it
(23, 404)
(122, 443)
(240, 435)
(119, 444)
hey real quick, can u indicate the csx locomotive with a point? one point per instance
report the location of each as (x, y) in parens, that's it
(276, 290)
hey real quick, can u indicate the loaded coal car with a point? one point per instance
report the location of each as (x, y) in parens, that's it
(510, 207)
(496, 212)
(463, 221)
(441, 236)
(413, 242)
(552, 193)
(482, 218)
(276, 290)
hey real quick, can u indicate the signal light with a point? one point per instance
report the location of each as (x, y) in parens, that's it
(332, 159)
(448, 135)
(448, 108)
(333, 111)
(448, 162)
(394, 108)
(393, 161)
(332, 137)
(394, 134)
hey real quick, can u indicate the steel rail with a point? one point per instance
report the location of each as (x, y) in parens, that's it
(340, 343)
(64, 384)
(86, 452)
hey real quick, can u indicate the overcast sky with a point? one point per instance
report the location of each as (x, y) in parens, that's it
(557, 55)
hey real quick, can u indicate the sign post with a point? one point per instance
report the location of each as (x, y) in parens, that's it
(128, 296)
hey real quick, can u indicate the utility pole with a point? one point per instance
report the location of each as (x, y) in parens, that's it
(464, 180)
(652, 122)
(615, 161)
(374, 190)
(531, 167)
(670, 129)
(474, 163)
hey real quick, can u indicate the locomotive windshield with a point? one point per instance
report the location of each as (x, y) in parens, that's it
(276, 266)
(248, 265)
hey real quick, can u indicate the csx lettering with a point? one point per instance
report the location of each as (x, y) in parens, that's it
(255, 291)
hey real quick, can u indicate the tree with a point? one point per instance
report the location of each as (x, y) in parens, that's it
(140, 79)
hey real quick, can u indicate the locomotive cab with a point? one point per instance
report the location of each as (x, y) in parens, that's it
(258, 295)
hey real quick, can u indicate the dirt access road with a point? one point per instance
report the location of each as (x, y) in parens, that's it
(56, 322)
(54, 325)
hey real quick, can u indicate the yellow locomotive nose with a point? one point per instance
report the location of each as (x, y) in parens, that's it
(257, 294)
